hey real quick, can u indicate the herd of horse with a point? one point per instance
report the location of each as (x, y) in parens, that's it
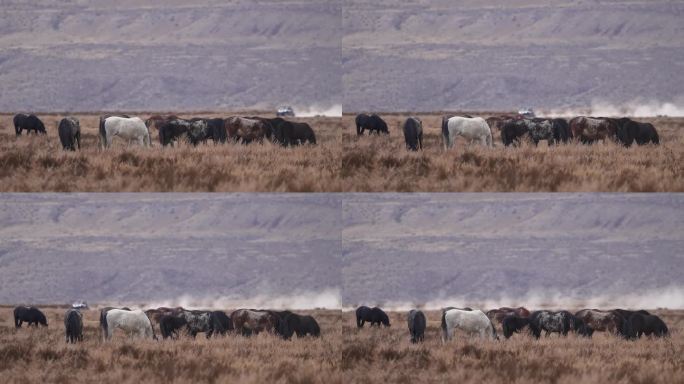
(172, 129)
(516, 128)
(627, 324)
(171, 322)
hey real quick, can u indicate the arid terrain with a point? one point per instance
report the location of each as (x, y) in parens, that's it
(38, 163)
(381, 163)
(41, 355)
(427, 55)
(152, 54)
(342, 354)
(385, 355)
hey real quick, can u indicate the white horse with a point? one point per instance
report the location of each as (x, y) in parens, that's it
(473, 322)
(133, 322)
(473, 129)
(128, 128)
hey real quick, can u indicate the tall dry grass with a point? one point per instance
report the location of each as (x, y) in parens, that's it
(343, 354)
(385, 355)
(38, 163)
(381, 163)
(41, 355)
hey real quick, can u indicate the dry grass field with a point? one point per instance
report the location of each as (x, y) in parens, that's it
(343, 354)
(385, 355)
(41, 355)
(38, 163)
(381, 163)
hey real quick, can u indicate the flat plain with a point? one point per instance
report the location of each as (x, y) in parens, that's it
(381, 163)
(38, 163)
(342, 354)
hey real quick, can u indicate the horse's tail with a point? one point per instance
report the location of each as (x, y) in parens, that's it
(444, 326)
(445, 131)
(103, 132)
(154, 335)
(103, 323)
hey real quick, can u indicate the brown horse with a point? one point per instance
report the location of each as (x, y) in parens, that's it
(253, 321)
(592, 129)
(497, 122)
(603, 321)
(246, 130)
(499, 314)
(156, 121)
(155, 315)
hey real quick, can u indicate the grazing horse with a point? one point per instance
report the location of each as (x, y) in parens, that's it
(640, 324)
(561, 130)
(416, 325)
(201, 130)
(169, 325)
(290, 133)
(630, 131)
(512, 131)
(28, 123)
(513, 324)
(473, 322)
(155, 315)
(497, 315)
(378, 316)
(362, 315)
(103, 319)
(413, 133)
(560, 322)
(473, 129)
(598, 320)
(31, 315)
(291, 323)
(128, 128)
(198, 321)
(622, 316)
(73, 325)
(173, 130)
(69, 130)
(157, 121)
(133, 322)
(253, 321)
(247, 130)
(371, 123)
(221, 322)
(591, 129)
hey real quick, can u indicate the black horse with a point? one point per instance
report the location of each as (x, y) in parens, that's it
(200, 130)
(173, 130)
(512, 131)
(28, 123)
(70, 133)
(639, 324)
(416, 325)
(560, 322)
(413, 133)
(290, 323)
(561, 130)
(31, 315)
(514, 324)
(73, 324)
(221, 322)
(290, 133)
(371, 123)
(170, 325)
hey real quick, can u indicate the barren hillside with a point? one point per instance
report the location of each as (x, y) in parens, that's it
(421, 55)
(169, 55)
